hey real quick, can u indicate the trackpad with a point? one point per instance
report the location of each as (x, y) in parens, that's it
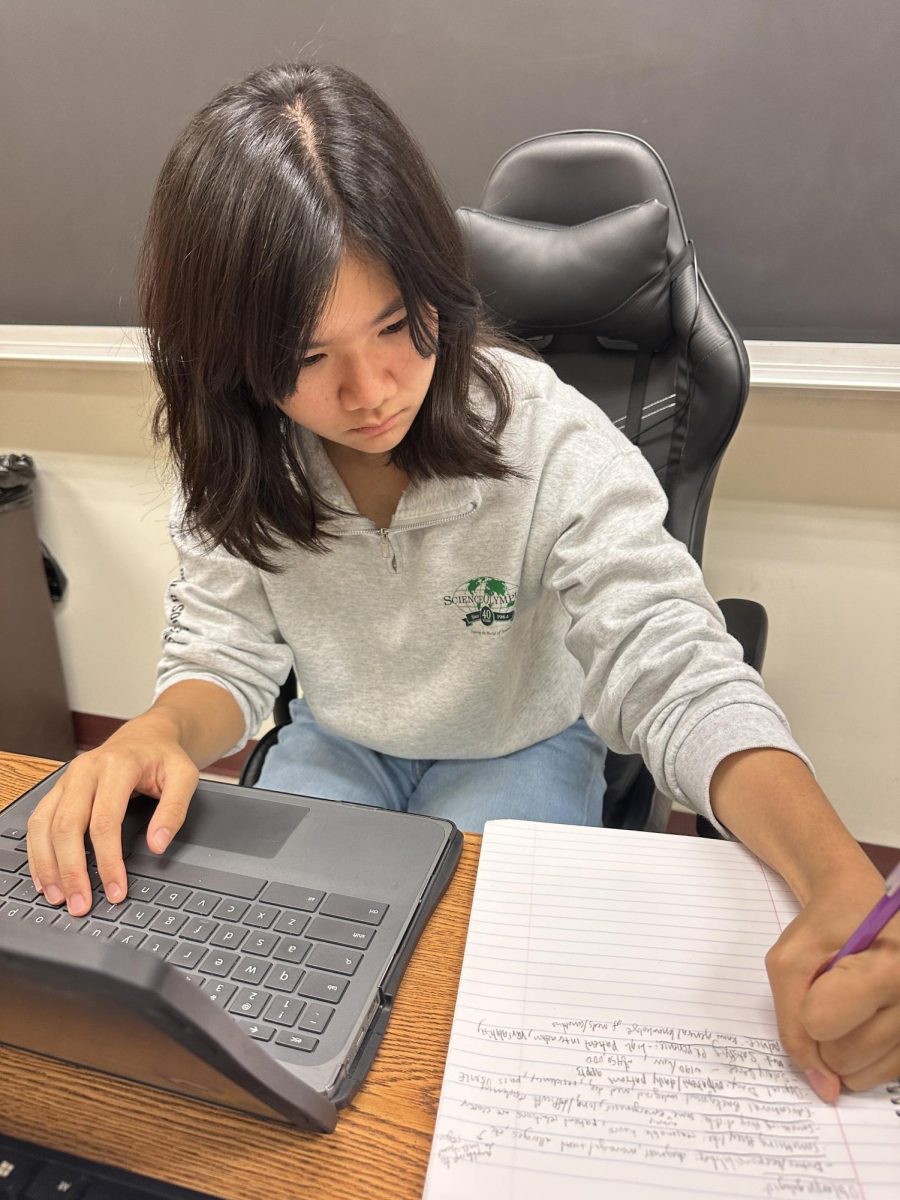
(248, 826)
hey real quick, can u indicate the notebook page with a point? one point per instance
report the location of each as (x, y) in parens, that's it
(614, 1034)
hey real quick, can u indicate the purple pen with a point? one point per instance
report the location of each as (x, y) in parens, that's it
(865, 935)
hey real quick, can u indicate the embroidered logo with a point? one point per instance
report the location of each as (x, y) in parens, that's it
(484, 603)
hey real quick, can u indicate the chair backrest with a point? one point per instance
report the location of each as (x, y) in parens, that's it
(578, 245)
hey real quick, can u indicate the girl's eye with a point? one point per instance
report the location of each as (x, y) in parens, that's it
(397, 326)
(311, 360)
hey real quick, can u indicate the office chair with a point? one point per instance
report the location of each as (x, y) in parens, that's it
(579, 247)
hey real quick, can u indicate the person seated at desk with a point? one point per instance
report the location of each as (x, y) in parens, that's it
(357, 451)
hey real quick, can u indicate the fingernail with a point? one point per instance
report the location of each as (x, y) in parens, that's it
(114, 893)
(38, 886)
(822, 1086)
(54, 894)
(161, 839)
(77, 905)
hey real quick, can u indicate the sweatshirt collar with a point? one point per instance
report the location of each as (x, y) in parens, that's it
(424, 502)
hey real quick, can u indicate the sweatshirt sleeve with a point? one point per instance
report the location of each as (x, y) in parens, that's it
(220, 628)
(663, 678)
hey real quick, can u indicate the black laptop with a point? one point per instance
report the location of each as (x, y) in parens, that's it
(252, 965)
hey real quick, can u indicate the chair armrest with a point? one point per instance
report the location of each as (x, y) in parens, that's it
(747, 621)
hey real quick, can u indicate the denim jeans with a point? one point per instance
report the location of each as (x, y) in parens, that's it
(559, 779)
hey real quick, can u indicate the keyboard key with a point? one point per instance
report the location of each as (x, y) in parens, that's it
(142, 889)
(219, 990)
(18, 1168)
(249, 1002)
(156, 944)
(291, 922)
(261, 943)
(169, 922)
(202, 903)
(67, 924)
(345, 933)
(284, 1010)
(199, 929)
(53, 1183)
(187, 956)
(288, 895)
(251, 970)
(15, 833)
(25, 891)
(284, 978)
(369, 912)
(262, 1033)
(319, 986)
(7, 882)
(96, 930)
(127, 937)
(10, 860)
(14, 910)
(229, 935)
(173, 897)
(218, 962)
(292, 949)
(39, 916)
(261, 916)
(139, 915)
(315, 1017)
(107, 912)
(297, 1041)
(229, 909)
(334, 958)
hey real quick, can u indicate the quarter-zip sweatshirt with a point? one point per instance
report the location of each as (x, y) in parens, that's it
(491, 613)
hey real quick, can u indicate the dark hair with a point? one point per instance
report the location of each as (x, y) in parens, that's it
(258, 200)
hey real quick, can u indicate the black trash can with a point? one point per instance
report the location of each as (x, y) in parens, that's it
(34, 709)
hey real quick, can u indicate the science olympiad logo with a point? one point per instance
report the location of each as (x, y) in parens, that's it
(488, 601)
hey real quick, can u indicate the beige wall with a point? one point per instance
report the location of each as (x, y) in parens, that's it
(806, 519)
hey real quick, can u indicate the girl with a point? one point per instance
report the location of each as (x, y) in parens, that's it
(463, 558)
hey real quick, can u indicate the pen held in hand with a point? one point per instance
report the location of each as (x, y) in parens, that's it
(872, 925)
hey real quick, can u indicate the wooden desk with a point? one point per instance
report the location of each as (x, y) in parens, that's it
(379, 1149)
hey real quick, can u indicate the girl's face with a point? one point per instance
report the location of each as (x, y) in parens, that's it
(363, 381)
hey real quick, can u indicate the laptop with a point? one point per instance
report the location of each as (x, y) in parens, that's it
(253, 964)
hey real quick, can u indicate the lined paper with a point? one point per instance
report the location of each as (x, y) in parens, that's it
(614, 1026)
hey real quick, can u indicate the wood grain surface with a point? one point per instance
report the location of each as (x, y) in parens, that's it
(379, 1149)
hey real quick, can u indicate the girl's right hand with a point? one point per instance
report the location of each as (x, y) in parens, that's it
(93, 795)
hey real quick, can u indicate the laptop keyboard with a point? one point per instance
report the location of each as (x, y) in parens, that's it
(29, 1171)
(276, 956)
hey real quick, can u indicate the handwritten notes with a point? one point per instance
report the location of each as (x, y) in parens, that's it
(614, 1030)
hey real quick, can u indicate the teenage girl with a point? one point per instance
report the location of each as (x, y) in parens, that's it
(463, 559)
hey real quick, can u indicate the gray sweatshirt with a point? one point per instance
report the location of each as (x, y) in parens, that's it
(491, 614)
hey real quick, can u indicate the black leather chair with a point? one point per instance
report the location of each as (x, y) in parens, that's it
(579, 247)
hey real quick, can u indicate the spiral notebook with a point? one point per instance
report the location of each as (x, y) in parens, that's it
(614, 1034)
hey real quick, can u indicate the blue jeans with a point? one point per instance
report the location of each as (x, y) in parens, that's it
(560, 779)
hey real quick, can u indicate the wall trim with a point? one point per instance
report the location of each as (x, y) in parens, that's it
(804, 366)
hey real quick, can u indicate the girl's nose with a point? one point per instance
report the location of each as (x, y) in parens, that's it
(366, 385)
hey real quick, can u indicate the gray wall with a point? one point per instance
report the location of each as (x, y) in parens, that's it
(778, 120)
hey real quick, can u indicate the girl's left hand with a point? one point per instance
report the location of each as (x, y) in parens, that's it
(844, 1026)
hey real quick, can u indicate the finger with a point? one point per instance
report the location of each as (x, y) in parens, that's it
(177, 791)
(114, 788)
(852, 992)
(39, 846)
(883, 1070)
(867, 1045)
(67, 829)
(789, 986)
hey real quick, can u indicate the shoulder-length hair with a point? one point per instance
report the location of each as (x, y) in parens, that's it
(258, 200)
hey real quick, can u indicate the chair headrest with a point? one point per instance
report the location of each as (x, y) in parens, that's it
(607, 276)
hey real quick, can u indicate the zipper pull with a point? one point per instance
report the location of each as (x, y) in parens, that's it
(385, 543)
